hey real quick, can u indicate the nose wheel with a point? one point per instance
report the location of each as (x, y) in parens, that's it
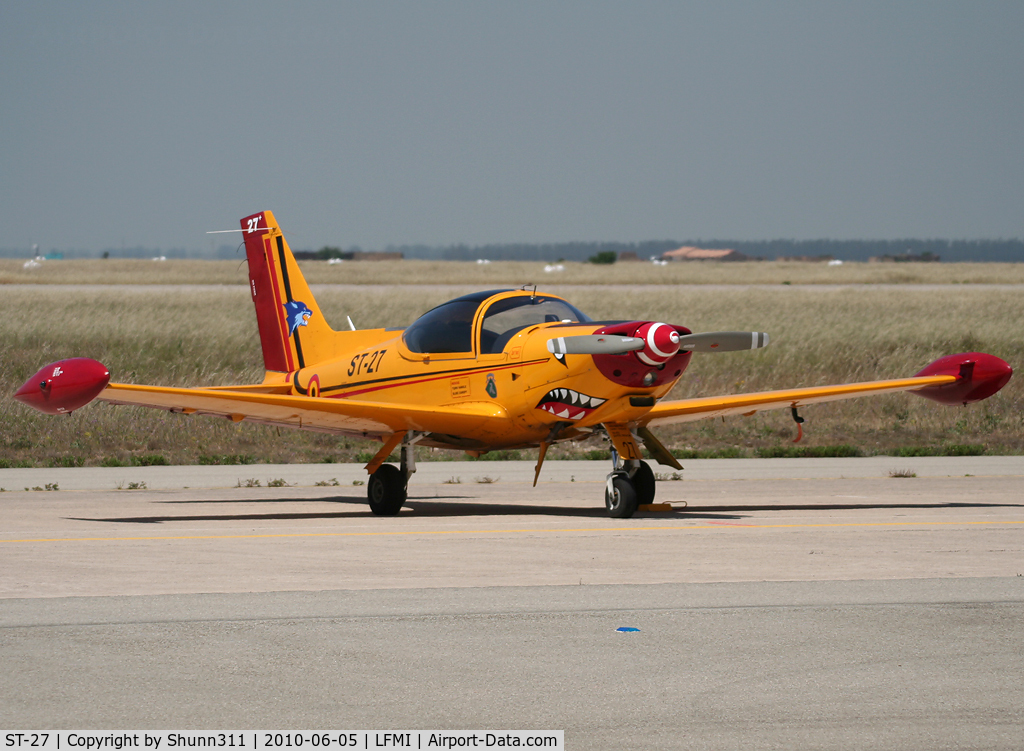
(620, 496)
(643, 481)
(628, 487)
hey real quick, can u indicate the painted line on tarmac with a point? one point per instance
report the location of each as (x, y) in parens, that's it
(422, 533)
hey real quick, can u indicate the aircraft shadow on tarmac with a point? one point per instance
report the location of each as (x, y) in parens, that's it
(432, 506)
(441, 506)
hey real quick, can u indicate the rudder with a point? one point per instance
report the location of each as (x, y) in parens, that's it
(293, 332)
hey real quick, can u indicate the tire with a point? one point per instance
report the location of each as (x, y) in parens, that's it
(644, 483)
(386, 490)
(621, 502)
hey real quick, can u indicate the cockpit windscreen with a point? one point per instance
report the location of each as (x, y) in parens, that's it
(507, 317)
(448, 328)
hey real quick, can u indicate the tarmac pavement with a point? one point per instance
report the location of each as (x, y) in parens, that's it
(781, 603)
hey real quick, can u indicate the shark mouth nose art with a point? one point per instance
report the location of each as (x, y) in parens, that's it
(569, 404)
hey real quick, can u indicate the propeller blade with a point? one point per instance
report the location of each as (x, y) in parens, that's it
(594, 345)
(723, 341)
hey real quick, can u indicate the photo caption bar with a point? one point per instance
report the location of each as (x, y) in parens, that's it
(264, 740)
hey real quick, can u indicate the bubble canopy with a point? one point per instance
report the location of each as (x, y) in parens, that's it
(448, 328)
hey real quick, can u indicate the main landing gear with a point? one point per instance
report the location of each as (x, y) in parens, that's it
(630, 484)
(387, 488)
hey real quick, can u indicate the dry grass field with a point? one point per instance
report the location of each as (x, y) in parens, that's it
(514, 274)
(207, 336)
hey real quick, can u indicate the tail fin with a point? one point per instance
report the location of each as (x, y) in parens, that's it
(293, 332)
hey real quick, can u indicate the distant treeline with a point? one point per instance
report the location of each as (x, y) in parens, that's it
(847, 250)
(862, 250)
(224, 252)
(577, 251)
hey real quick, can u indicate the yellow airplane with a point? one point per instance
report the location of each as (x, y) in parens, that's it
(501, 369)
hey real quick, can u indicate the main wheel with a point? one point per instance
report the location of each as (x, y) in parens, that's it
(621, 501)
(643, 481)
(386, 490)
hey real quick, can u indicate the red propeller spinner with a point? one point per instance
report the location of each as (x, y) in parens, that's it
(661, 343)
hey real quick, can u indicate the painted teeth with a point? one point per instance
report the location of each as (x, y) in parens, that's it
(569, 404)
(571, 398)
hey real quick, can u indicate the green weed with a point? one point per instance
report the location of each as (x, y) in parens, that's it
(149, 460)
(948, 450)
(214, 459)
(665, 476)
(902, 473)
(727, 452)
(501, 455)
(802, 452)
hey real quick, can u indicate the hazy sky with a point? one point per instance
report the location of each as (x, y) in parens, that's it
(381, 123)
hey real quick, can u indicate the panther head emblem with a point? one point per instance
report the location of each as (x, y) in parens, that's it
(298, 314)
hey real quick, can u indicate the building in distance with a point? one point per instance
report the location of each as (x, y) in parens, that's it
(691, 253)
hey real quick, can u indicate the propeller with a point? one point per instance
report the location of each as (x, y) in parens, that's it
(723, 341)
(715, 341)
(594, 344)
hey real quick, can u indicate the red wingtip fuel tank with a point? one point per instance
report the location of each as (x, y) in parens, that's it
(64, 386)
(979, 375)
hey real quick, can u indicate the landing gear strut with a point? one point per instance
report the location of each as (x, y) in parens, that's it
(630, 484)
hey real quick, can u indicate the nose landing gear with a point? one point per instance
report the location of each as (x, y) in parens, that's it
(630, 484)
(620, 496)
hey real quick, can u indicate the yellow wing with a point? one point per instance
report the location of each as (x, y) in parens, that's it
(689, 410)
(253, 404)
